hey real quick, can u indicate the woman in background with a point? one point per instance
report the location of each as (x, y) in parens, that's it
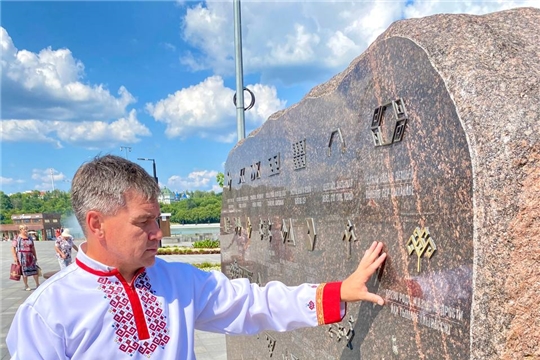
(64, 244)
(24, 254)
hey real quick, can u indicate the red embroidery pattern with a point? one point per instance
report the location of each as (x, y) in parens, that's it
(310, 305)
(126, 330)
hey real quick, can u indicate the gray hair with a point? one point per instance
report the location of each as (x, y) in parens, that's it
(102, 183)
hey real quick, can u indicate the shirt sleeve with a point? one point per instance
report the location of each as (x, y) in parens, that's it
(30, 338)
(240, 307)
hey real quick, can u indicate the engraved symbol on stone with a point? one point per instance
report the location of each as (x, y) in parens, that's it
(349, 236)
(336, 133)
(238, 227)
(421, 243)
(227, 225)
(299, 154)
(274, 164)
(256, 171)
(340, 331)
(287, 232)
(265, 228)
(311, 232)
(228, 181)
(242, 178)
(400, 119)
(271, 344)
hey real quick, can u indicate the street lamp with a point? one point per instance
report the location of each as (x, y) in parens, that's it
(127, 148)
(155, 178)
(153, 165)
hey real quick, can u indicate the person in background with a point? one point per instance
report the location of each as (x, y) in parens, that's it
(64, 244)
(24, 254)
(137, 306)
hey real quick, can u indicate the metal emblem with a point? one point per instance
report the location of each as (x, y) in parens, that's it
(256, 171)
(249, 228)
(242, 178)
(227, 225)
(299, 154)
(265, 227)
(238, 226)
(236, 271)
(334, 133)
(274, 163)
(340, 331)
(228, 181)
(287, 232)
(349, 236)
(422, 244)
(394, 345)
(400, 118)
(311, 232)
(271, 343)
(289, 356)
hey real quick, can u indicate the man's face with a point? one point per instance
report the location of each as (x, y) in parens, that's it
(132, 235)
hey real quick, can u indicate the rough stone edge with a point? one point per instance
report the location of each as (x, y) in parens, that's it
(500, 199)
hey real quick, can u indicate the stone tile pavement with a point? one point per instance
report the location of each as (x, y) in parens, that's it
(208, 346)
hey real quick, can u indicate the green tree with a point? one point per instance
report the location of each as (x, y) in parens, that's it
(5, 202)
(200, 207)
(220, 179)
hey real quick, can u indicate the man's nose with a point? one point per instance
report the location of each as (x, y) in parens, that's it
(157, 233)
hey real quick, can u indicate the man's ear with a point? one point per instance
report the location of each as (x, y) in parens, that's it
(94, 223)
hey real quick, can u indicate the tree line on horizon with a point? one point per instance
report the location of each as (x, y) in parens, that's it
(199, 207)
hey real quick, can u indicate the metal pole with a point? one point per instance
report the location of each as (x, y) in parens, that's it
(52, 178)
(154, 165)
(240, 121)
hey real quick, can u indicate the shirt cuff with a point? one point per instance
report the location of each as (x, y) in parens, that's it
(330, 308)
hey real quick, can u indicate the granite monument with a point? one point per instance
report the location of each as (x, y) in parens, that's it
(430, 142)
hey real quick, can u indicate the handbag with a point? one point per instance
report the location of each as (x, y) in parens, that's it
(15, 272)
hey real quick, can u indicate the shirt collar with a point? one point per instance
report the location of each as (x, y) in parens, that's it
(88, 262)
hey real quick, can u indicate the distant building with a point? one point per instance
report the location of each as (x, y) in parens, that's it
(41, 225)
(166, 196)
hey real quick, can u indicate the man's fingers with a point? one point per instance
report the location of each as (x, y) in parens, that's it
(372, 253)
(374, 298)
(376, 251)
(378, 262)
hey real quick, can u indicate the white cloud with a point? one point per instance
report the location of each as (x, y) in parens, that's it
(324, 35)
(206, 110)
(168, 46)
(43, 96)
(48, 178)
(316, 39)
(197, 180)
(9, 181)
(47, 85)
(90, 134)
(426, 8)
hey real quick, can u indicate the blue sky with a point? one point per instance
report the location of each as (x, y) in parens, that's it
(157, 78)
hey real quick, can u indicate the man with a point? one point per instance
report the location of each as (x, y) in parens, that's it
(119, 302)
